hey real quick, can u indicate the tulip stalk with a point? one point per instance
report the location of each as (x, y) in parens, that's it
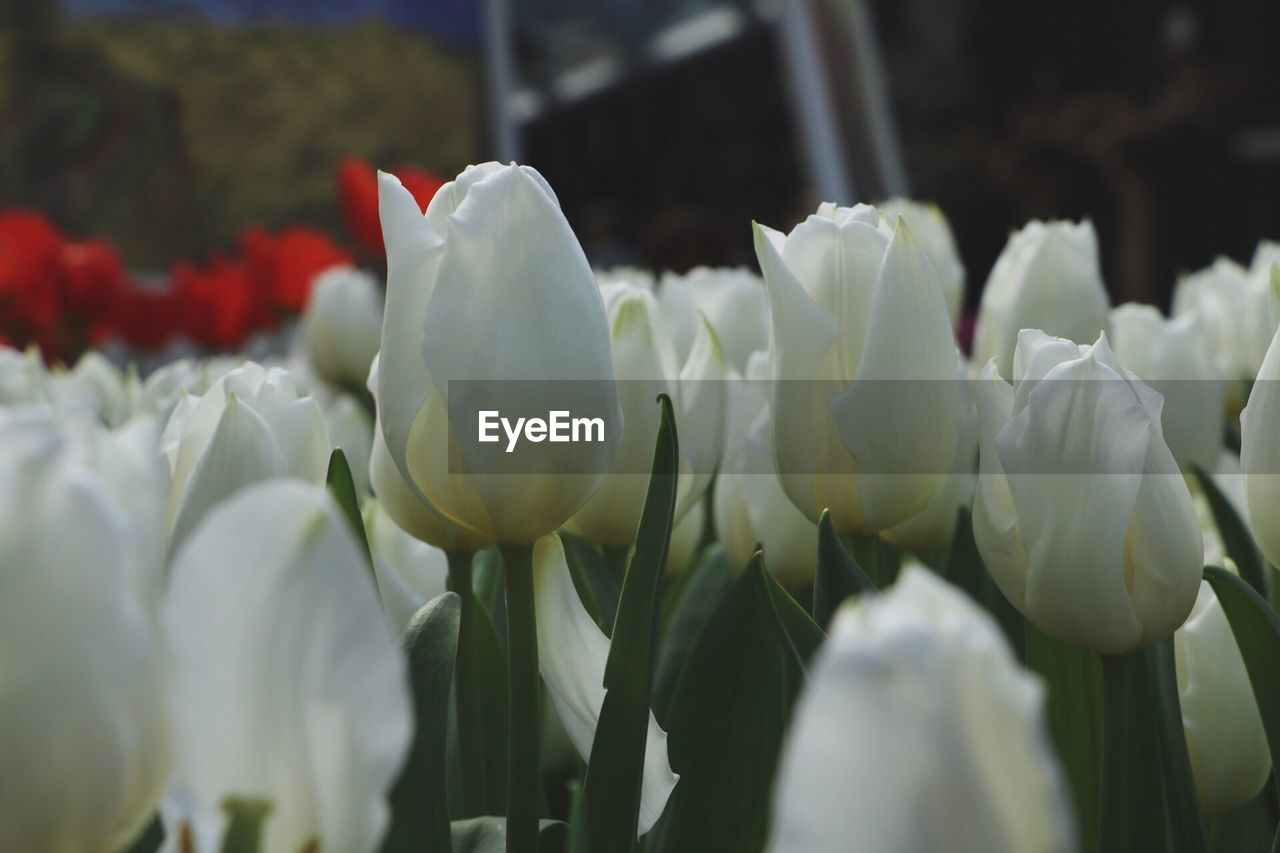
(523, 681)
(1131, 808)
(467, 696)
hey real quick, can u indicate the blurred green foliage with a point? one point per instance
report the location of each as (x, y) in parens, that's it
(167, 137)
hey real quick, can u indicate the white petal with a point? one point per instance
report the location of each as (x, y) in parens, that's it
(1260, 454)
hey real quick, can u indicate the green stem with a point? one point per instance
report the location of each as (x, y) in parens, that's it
(471, 745)
(1132, 801)
(522, 750)
(872, 554)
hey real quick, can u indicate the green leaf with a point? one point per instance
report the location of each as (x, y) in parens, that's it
(343, 489)
(880, 560)
(489, 835)
(419, 802)
(798, 629)
(1132, 814)
(726, 727)
(149, 838)
(611, 789)
(1236, 538)
(701, 596)
(1257, 631)
(838, 576)
(480, 696)
(596, 586)
(246, 817)
(1073, 678)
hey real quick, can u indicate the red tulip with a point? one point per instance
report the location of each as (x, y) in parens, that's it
(358, 198)
(283, 266)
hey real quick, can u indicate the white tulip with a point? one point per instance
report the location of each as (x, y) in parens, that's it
(23, 378)
(251, 425)
(1174, 358)
(644, 361)
(748, 501)
(1225, 737)
(489, 284)
(1235, 308)
(100, 385)
(864, 400)
(1046, 278)
(350, 428)
(686, 536)
(85, 744)
(918, 730)
(342, 324)
(572, 654)
(287, 685)
(733, 301)
(929, 226)
(1082, 515)
(1260, 454)
(410, 572)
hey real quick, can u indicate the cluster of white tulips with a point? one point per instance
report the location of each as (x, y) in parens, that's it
(823, 584)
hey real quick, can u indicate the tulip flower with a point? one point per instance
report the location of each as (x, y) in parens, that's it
(1046, 278)
(918, 730)
(865, 398)
(751, 509)
(287, 686)
(23, 378)
(85, 744)
(351, 430)
(410, 572)
(284, 266)
(733, 301)
(1225, 737)
(1260, 454)
(686, 539)
(1082, 515)
(100, 385)
(572, 653)
(458, 310)
(929, 225)
(1236, 309)
(251, 425)
(341, 326)
(645, 363)
(357, 185)
(1174, 358)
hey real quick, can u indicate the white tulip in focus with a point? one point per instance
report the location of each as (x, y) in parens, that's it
(1260, 454)
(1175, 359)
(865, 402)
(251, 425)
(929, 225)
(750, 506)
(1082, 515)
(1225, 737)
(287, 685)
(85, 746)
(918, 730)
(410, 572)
(1046, 278)
(733, 301)
(572, 653)
(645, 362)
(489, 284)
(342, 324)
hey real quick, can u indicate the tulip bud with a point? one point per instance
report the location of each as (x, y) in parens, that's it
(351, 429)
(410, 572)
(686, 537)
(750, 506)
(919, 731)
(1174, 358)
(1046, 278)
(489, 284)
(929, 225)
(99, 385)
(733, 301)
(85, 743)
(864, 398)
(23, 378)
(1082, 516)
(644, 361)
(286, 684)
(1225, 737)
(251, 425)
(342, 324)
(1260, 454)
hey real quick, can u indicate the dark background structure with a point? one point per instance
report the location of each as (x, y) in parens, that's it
(166, 126)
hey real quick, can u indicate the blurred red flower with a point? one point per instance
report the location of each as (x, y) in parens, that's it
(219, 303)
(29, 247)
(357, 184)
(90, 277)
(283, 266)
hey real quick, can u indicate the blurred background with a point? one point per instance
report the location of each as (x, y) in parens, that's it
(165, 127)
